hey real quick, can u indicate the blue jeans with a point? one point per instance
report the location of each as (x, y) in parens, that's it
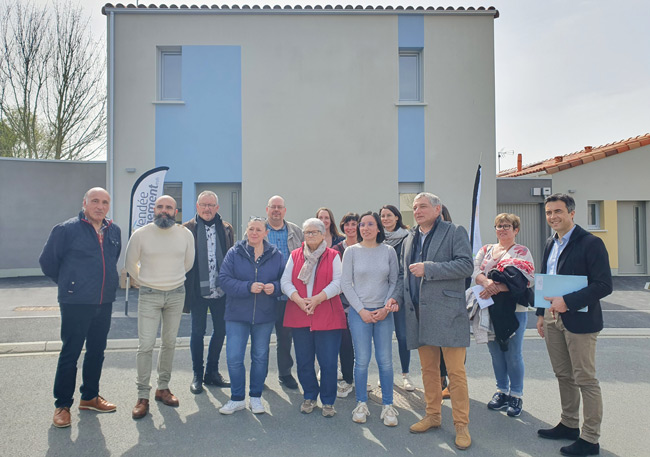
(237, 334)
(400, 333)
(323, 344)
(79, 324)
(509, 365)
(363, 336)
(199, 312)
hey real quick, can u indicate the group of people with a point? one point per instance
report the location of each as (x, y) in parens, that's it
(335, 297)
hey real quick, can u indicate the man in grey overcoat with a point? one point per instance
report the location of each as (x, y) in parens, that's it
(436, 259)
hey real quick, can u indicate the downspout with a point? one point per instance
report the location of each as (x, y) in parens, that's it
(110, 118)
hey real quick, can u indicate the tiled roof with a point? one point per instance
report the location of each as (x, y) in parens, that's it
(307, 8)
(588, 154)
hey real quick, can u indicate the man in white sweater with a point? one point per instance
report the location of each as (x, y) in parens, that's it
(157, 257)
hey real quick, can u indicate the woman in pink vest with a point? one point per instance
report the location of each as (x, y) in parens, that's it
(312, 281)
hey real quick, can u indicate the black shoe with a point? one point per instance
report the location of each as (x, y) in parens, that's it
(514, 406)
(197, 384)
(215, 379)
(499, 401)
(559, 432)
(580, 448)
(288, 381)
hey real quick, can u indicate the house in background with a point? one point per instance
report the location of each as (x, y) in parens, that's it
(345, 107)
(611, 188)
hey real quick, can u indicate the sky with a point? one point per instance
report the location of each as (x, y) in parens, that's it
(569, 73)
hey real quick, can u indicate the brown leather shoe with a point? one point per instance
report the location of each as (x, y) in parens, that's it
(97, 404)
(463, 440)
(140, 409)
(427, 423)
(445, 394)
(61, 417)
(166, 397)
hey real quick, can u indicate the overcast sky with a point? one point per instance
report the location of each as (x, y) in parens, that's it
(569, 73)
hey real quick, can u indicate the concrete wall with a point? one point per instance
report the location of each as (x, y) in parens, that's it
(319, 108)
(35, 195)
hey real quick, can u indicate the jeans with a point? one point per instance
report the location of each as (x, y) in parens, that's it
(199, 312)
(363, 336)
(346, 354)
(283, 340)
(79, 324)
(323, 344)
(237, 338)
(400, 333)
(155, 306)
(509, 365)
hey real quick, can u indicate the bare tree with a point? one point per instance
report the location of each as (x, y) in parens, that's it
(76, 88)
(52, 82)
(23, 71)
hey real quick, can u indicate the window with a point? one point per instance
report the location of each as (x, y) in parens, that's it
(169, 79)
(410, 76)
(175, 190)
(593, 215)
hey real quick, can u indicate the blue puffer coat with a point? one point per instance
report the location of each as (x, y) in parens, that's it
(84, 269)
(239, 271)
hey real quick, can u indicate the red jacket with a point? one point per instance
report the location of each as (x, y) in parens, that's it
(329, 315)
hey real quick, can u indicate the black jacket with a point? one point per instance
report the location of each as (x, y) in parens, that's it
(584, 255)
(84, 269)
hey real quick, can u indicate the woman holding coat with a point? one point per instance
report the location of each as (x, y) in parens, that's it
(314, 312)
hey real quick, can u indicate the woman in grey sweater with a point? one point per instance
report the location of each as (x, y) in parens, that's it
(369, 276)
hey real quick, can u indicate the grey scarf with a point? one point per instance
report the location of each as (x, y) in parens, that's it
(396, 237)
(311, 260)
(202, 254)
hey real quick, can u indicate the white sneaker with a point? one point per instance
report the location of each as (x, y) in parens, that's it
(360, 413)
(369, 387)
(389, 415)
(408, 385)
(256, 405)
(232, 406)
(343, 389)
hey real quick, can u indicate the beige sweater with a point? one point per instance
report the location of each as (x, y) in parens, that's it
(164, 256)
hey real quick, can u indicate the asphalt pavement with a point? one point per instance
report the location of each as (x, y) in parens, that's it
(28, 315)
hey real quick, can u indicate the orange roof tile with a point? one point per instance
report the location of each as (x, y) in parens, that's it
(588, 154)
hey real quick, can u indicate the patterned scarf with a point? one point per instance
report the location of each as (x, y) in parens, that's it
(311, 260)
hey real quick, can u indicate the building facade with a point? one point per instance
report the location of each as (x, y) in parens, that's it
(349, 108)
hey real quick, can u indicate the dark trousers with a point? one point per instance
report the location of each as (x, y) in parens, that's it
(400, 333)
(199, 313)
(324, 345)
(346, 354)
(283, 339)
(79, 324)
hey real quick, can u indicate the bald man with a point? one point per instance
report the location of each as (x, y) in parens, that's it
(81, 257)
(158, 256)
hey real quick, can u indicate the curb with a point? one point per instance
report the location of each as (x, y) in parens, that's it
(183, 342)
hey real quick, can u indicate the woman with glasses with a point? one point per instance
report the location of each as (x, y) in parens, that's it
(250, 277)
(368, 281)
(312, 281)
(332, 235)
(506, 272)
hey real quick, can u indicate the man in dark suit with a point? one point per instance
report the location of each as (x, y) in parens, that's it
(571, 334)
(212, 238)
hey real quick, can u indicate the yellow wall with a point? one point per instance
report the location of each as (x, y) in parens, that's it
(609, 230)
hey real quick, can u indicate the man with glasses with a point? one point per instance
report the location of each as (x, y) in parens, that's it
(570, 334)
(286, 236)
(212, 238)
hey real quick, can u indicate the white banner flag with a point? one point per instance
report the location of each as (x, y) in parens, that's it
(145, 191)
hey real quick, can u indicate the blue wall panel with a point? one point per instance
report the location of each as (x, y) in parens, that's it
(201, 140)
(410, 31)
(410, 143)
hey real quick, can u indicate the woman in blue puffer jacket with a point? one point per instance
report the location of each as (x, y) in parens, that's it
(250, 277)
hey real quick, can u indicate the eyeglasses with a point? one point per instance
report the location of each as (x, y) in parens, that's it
(503, 227)
(275, 207)
(312, 233)
(207, 205)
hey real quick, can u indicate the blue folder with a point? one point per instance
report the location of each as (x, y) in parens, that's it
(556, 286)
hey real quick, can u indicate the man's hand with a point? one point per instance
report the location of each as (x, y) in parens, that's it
(257, 287)
(540, 326)
(367, 316)
(557, 305)
(392, 305)
(269, 288)
(417, 269)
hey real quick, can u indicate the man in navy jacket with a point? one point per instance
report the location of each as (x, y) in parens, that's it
(570, 332)
(81, 257)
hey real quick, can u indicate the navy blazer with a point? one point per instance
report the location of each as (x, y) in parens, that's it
(584, 255)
